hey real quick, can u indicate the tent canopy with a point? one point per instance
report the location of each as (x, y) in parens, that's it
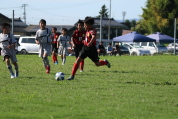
(133, 37)
(160, 37)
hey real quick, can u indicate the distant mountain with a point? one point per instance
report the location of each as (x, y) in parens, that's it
(136, 19)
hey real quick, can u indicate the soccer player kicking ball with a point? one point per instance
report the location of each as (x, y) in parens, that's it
(77, 39)
(54, 45)
(43, 38)
(89, 48)
(7, 43)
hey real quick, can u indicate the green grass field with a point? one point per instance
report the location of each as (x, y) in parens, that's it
(135, 87)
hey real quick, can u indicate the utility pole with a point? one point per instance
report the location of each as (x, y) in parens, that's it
(12, 22)
(24, 14)
(109, 22)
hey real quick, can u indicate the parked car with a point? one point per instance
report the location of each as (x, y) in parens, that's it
(154, 48)
(136, 49)
(27, 44)
(170, 47)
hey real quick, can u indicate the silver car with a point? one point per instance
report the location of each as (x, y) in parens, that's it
(27, 44)
(170, 47)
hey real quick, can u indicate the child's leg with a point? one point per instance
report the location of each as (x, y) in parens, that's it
(103, 62)
(81, 65)
(64, 59)
(16, 69)
(76, 64)
(8, 64)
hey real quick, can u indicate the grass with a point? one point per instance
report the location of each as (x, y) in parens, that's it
(135, 87)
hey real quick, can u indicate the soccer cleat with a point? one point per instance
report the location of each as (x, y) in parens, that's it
(62, 63)
(81, 70)
(47, 69)
(56, 62)
(16, 74)
(71, 78)
(108, 64)
(12, 76)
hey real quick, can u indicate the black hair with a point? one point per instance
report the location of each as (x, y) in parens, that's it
(89, 20)
(4, 25)
(80, 22)
(64, 29)
(42, 21)
(54, 28)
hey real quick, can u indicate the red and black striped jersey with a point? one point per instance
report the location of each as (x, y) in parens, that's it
(78, 37)
(88, 37)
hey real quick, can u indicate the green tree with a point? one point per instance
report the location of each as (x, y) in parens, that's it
(128, 23)
(159, 16)
(103, 12)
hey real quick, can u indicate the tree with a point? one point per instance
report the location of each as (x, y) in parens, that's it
(159, 16)
(128, 23)
(103, 12)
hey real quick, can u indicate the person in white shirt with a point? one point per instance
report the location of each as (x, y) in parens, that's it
(62, 42)
(7, 43)
(43, 38)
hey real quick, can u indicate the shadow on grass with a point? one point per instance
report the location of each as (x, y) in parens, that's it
(135, 82)
(165, 83)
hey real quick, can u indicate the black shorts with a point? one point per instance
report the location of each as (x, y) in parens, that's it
(77, 49)
(54, 48)
(90, 52)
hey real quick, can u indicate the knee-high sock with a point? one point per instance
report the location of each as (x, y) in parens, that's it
(16, 68)
(46, 61)
(55, 57)
(103, 62)
(82, 65)
(74, 68)
(10, 69)
(64, 60)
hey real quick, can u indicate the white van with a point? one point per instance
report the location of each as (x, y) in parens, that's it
(27, 44)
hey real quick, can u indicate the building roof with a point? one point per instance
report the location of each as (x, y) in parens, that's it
(126, 32)
(34, 28)
(105, 23)
(1, 15)
(19, 23)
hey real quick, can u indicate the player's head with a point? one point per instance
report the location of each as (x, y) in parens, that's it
(64, 31)
(80, 24)
(54, 30)
(109, 44)
(42, 23)
(101, 43)
(88, 23)
(5, 28)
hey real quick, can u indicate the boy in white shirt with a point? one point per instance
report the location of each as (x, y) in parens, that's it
(62, 44)
(7, 43)
(43, 38)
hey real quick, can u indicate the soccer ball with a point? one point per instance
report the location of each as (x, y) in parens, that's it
(59, 76)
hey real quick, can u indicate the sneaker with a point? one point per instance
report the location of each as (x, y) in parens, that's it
(81, 70)
(56, 62)
(12, 76)
(16, 74)
(71, 78)
(47, 69)
(108, 64)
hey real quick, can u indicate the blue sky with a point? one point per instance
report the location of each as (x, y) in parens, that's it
(67, 12)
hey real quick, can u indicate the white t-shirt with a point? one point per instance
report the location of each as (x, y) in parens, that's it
(43, 36)
(63, 40)
(5, 40)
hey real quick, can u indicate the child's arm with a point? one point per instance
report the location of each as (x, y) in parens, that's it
(11, 46)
